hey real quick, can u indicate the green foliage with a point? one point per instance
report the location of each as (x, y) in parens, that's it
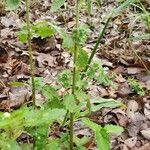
(54, 144)
(102, 133)
(100, 74)
(70, 103)
(23, 34)
(102, 139)
(98, 103)
(12, 4)
(113, 129)
(8, 144)
(65, 79)
(136, 86)
(27, 119)
(36, 122)
(43, 29)
(80, 35)
(39, 29)
(57, 4)
(82, 59)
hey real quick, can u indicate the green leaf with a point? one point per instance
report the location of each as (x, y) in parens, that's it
(41, 136)
(57, 4)
(81, 95)
(23, 36)
(70, 103)
(101, 135)
(15, 118)
(39, 83)
(49, 92)
(68, 42)
(80, 34)
(136, 86)
(16, 84)
(113, 129)
(102, 140)
(40, 117)
(80, 142)
(65, 78)
(12, 4)
(43, 29)
(94, 126)
(98, 103)
(53, 144)
(82, 59)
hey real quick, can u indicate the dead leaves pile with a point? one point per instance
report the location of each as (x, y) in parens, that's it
(115, 53)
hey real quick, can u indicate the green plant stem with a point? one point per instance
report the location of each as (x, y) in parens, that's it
(76, 48)
(30, 50)
(96, 46)
(90, 59)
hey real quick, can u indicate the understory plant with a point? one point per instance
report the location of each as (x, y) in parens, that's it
(67, 102)
(136, 86)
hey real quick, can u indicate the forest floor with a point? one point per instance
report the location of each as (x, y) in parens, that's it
(121, 57)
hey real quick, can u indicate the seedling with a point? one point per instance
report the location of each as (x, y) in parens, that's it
(136, 86)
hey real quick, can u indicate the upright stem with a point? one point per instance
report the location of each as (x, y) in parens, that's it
(30, 49)
(96, 46)
(76, 48)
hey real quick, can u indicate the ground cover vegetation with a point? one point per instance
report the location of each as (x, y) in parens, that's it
(73, 79)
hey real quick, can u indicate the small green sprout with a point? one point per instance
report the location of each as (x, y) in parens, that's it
(136, 86)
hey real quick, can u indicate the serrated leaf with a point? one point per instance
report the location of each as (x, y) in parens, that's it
(65, 78)
(113, 129)
(39, 83)
(70, 103)
(37, 118)
(81, 95)
(43, 30)
(82, 59)
(12, 4)
(68, 43)
(49, 92)
(57, 4)
(102, 140)
(94, 126)
(23, 36)
(80, 34)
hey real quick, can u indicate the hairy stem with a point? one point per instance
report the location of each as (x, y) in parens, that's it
(96, 46)
(76, 48)
(90, 58)
(30, 49)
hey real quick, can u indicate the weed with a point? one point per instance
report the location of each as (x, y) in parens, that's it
(74, 103)
(136, 86)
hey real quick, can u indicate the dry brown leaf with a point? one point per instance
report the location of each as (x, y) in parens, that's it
(146, 133)
(131, 142)
(45, 60)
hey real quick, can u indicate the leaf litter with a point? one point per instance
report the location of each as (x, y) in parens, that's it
(50, 59)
